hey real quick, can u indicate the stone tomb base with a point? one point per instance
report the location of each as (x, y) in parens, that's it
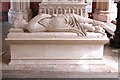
(55, 46)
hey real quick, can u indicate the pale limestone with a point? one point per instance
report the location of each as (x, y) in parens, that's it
(33, 68)
(66, 23)
(56, 45)
(108, 60)
(99, 68)
(59, 45)
(16, 30)
(19, 7)
(63, 8)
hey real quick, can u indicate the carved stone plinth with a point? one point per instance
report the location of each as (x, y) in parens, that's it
(55, 46)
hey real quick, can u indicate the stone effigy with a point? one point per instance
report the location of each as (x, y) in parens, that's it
(61, 23)
(19, 21)
(52, 39)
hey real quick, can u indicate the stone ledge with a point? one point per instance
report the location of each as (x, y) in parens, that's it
(58, 37)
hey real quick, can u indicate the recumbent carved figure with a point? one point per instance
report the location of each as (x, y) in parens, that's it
(63, 23)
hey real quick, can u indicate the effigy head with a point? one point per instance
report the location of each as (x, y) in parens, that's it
(19, 21)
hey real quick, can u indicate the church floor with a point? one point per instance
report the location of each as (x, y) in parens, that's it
(106, 68)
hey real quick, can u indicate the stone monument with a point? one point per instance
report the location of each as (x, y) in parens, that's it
(36, 47)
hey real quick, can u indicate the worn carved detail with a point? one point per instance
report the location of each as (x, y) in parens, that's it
(63, 23)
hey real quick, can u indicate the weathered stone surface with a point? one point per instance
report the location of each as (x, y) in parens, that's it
(59, 45)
